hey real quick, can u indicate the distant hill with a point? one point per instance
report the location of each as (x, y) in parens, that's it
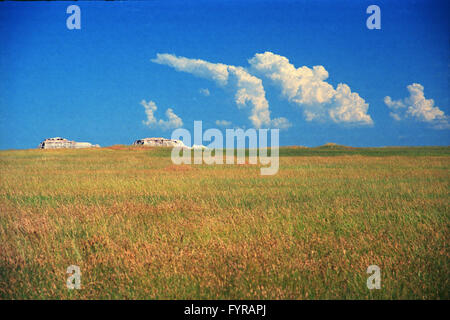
(333, 146)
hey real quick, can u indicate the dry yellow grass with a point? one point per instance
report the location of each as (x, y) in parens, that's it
(140, 227)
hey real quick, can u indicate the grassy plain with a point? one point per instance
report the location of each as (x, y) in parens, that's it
(140, 227)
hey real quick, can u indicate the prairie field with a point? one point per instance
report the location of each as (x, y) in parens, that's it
(140, 227)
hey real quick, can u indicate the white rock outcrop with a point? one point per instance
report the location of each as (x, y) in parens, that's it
(197, 147)
(158, 142)
(59, 143)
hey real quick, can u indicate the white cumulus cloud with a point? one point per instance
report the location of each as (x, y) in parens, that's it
(417, 107)
(308, 89)
(249, 89)
(204, 69)
(173, 121)
(349, 107)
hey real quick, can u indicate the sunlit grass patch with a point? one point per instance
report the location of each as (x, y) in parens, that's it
(140, 227)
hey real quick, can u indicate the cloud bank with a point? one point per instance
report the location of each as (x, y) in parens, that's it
(173, 121)
(308, 89)
(417, 107)
(249, 89)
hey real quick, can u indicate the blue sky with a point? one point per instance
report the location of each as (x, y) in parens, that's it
(88, 84)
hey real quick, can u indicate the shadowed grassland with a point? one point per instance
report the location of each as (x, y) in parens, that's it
(140, 227)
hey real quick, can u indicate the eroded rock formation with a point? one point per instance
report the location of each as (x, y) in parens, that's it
(59, 143)
(158, 142)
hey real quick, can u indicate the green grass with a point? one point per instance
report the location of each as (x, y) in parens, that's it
(140, 227)
(369, 152)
